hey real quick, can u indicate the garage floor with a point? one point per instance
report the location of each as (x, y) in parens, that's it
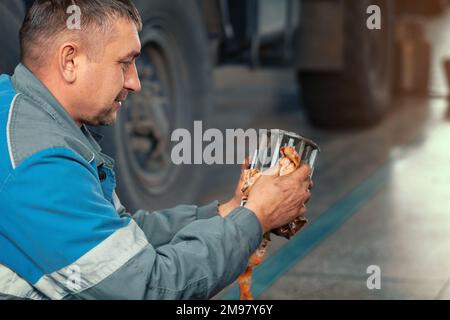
(381, 196)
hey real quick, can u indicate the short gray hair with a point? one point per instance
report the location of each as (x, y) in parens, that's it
(47, 19)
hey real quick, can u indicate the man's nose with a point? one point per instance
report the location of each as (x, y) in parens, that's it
(132, 82)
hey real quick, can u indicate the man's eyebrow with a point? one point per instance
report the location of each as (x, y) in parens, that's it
(132, 55)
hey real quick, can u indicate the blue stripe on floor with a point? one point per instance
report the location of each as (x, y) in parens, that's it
(299, 246)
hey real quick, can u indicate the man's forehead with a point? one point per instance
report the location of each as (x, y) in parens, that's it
(125, 39)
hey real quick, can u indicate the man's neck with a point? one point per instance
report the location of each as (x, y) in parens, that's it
(54, 86)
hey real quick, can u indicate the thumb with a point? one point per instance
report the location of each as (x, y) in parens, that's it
(303, 173)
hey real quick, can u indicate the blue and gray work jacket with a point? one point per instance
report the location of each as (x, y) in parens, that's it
(64, 233)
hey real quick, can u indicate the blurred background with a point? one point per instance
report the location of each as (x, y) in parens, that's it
(369, 84)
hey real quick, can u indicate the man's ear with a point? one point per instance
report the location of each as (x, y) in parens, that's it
(68, 61)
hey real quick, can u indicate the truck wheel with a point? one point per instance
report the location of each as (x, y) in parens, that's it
(12, 13)
(360, 94)
(176, 78)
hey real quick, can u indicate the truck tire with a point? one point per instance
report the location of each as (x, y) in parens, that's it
(12, 14)
(176, 78)
(359, 94)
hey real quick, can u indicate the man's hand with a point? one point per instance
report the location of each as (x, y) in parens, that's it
(277, 200)
(226, 208)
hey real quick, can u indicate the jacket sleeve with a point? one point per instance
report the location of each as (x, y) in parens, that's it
(202, 259)
(161, 226)
(69, 241)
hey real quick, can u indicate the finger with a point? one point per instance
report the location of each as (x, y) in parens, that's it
(307, 197)
(306, 170)
(302, 173)
(302, 210)
(307, 200)
(311, 185)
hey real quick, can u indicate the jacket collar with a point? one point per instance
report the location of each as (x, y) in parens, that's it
(27, 83)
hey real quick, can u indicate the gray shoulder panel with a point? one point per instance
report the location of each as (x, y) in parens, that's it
(33, 129)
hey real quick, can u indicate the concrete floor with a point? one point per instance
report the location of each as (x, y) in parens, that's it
(381, 196)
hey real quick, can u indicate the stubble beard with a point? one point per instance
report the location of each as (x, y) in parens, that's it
(105, 118)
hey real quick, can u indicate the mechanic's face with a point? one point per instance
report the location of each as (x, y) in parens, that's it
(106, 81)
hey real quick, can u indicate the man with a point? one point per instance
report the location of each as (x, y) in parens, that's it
(63, 232)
